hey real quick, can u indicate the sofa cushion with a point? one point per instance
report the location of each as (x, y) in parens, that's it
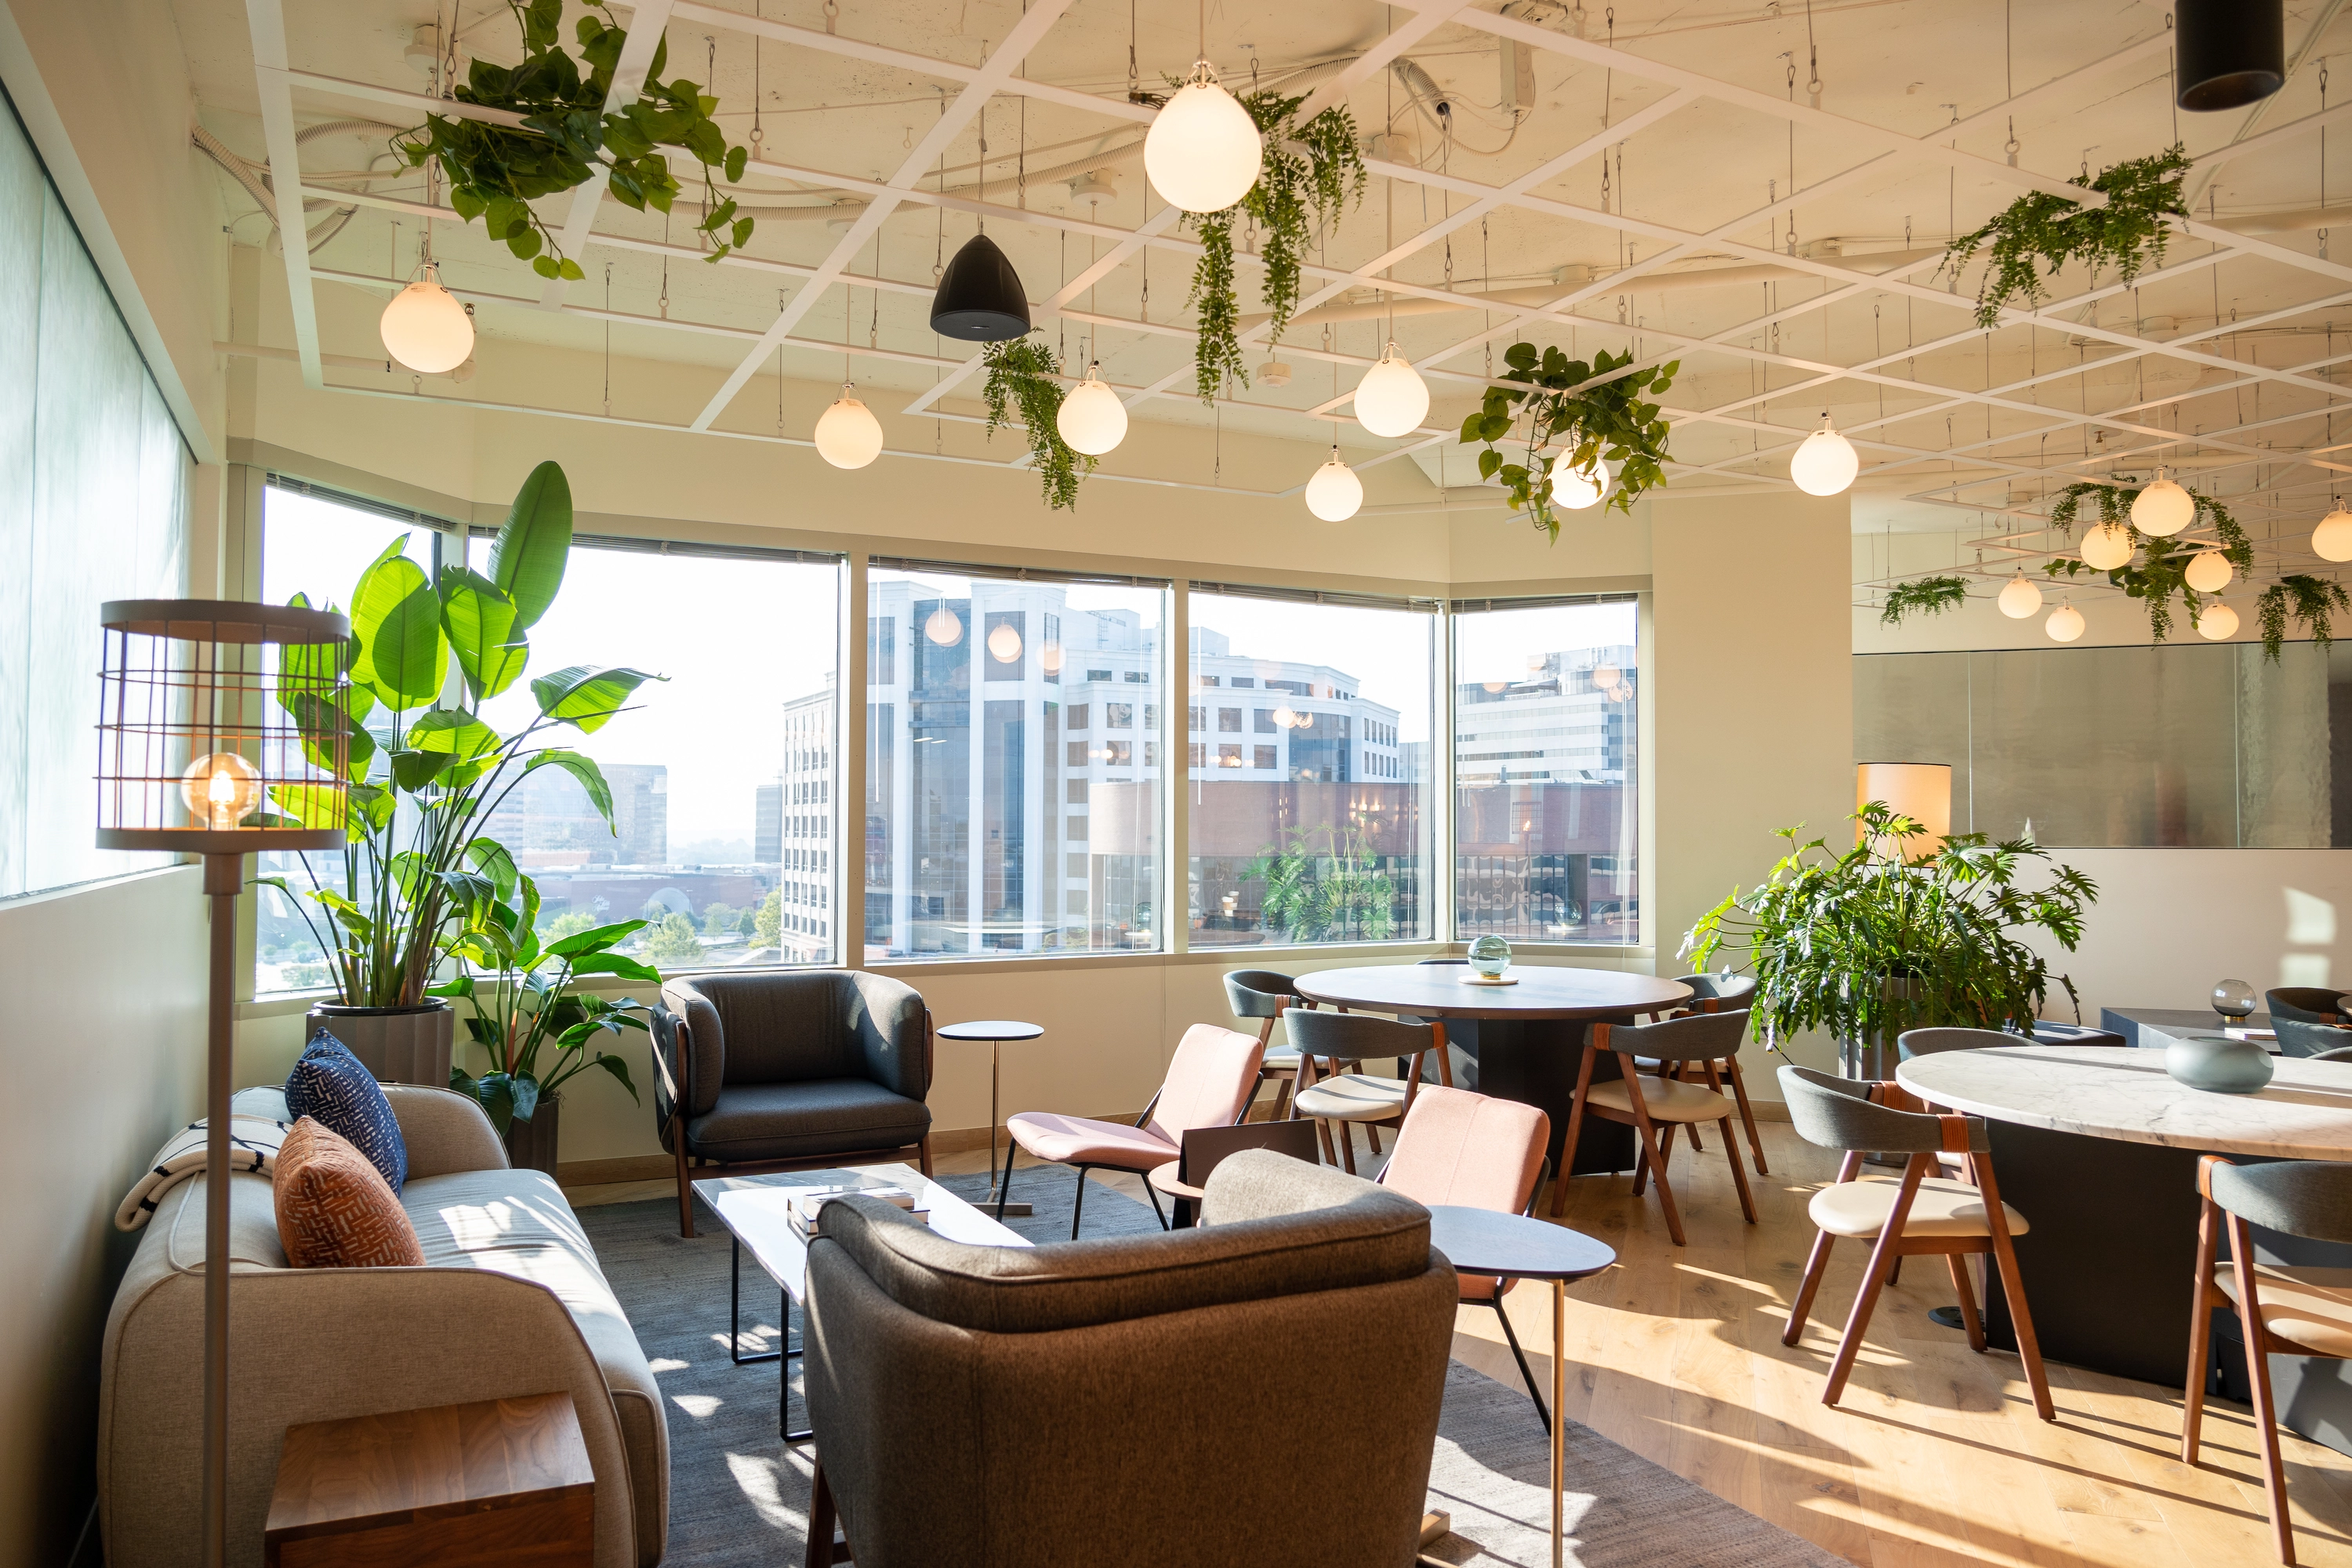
(792, 1120)
(334, 1208)
(330, 1083)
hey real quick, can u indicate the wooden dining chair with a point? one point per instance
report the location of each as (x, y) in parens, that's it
(1918, 1212)
(1346, 1101)
(2297, 1312)
(1717, 994)
(1264, 996)
(1701, 1040)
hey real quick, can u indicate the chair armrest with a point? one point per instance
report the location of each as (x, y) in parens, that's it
(894, 1035)
(446, 1131)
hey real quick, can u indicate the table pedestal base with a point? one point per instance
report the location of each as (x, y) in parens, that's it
(1534, 1062)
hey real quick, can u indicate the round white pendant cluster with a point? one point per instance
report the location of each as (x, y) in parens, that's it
(1391, 400)
(847, 434)
(1092, 418)
(2107, 546)
(2064, 625)
(1202, 151)
(2331, 540)
(424, 328)
(2209, 571)
(2163, 508)
(2218, 623)
(1334, 492)
(1577, 489)
(1826, 463)
(2020, 597)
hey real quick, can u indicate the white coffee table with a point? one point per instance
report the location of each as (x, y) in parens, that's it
(754, 1209)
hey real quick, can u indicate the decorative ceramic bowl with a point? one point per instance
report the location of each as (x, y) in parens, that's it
(2222, 1066)
(1489, 956)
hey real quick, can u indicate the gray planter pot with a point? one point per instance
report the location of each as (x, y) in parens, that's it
(398, 1044)
(530, 1145)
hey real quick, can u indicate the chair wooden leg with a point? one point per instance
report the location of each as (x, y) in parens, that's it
(1738, 1172)
(1373, 1135)
(923, 1154)
(1874, 1279)
(2012, 1288)
(2258, 1373)
(2201, 1333)
(685, 1187)
(1281, 1101)
(1648, 1129)
(1568, 1140)
(1747, 1116)
(820, 1521)
(1347, 1136)
(1967, 1293)
(1815, 1265)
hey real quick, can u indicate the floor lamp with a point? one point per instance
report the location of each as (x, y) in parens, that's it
(223, 731)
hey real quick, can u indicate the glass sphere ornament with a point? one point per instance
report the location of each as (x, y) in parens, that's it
(1489, 956)
(1577, 489)
(847, 434)
(2217, 622)
(1334, 492)
(2209, 571)
(2234, 998)
(1826, 463)
(2163, 508)
(1202, 151)
(424, 328)
(2331, 540)
(2064, 625)
(2107, 546)
(220, 789)
(1092, 418)
(2020, 597)
(1392, 399)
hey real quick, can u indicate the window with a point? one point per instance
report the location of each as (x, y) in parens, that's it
(1118, 753)
(965, 859)
(1547, 771)
(1196, 754)
(1119, 715)
(1196, 719)
(1347, 851)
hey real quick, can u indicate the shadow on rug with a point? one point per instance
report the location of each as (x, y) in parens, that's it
(740, 1498)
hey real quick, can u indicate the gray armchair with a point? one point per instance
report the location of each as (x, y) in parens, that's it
(789, 1070)
(1090, 1401)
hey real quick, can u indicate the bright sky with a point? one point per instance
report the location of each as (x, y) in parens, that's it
(1391, 653)
(1497, 644)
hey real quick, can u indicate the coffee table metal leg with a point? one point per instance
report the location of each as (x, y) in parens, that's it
(784, 1379)
(735, 1311)
(1559, 1406)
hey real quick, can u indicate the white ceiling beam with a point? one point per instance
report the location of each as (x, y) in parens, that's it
(396, 98)
(645, 27)
(266, 20)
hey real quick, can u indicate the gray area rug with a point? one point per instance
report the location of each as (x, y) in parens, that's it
(740, 1498)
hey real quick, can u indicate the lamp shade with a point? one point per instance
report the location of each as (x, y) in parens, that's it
(2163, 508)
(1202, 151)
(847, 434)
(980, 298)
(2210, 571)
(1921, 791)
(2232, 52)
(1092, 419)
(1005, 644)
(942, 627)
(1826, 463)
(2217, 622)
(1334, 492)
(1392, 399)
(2331, 540)
(424, 328)
(1577, 489)
(2107, 546)
(2020, 597)
(2064, 625)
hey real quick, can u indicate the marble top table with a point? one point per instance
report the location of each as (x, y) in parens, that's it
(1545, 992)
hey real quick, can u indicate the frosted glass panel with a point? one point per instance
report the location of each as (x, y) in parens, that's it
(21, 187)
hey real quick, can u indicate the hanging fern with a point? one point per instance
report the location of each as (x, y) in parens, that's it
(1311, 173)
(1924, 595)
(2157, 574)
(1023, 373)
(1608, 420)
(2310, 600)
(2125, 236)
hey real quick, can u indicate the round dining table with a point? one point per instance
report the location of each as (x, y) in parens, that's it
(2097, 1147)
(1526, 1038)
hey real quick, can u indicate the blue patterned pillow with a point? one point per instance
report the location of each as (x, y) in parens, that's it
(329, 1084)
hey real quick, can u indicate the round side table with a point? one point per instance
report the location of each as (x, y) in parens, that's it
(1187, 1198)
(995, 1031)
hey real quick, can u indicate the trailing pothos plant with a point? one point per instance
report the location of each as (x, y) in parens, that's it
(496, 172)
(1590, 412)
(2310, 600)
(535, 1029)
(2158, 573)
(424, 770)
(1024, 374)
(1312, 172)
(2125, 234)
(1923, 595)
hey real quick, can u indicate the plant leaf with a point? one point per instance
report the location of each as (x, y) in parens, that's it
(481, 623)
(585, 696)
(396, 616)
(534, 543)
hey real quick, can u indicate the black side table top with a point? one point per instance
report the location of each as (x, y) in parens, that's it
(990, 1030)
(1514, 1246)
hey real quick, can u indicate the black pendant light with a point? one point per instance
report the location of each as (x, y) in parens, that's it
(979, 300)
(2232, 52)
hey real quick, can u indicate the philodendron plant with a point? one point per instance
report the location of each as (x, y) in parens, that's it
(424, 770)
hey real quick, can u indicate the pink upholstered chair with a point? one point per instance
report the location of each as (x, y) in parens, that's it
(1209, 1084)
(1469, 1151)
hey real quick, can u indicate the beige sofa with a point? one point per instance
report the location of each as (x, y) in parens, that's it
(511, 1302)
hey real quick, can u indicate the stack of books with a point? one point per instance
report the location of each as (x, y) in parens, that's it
(806, 1204)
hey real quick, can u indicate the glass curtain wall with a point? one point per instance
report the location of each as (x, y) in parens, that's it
(1547, 771)
(1308, 726)
(1013, 767)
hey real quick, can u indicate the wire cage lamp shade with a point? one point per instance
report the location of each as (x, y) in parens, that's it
(224, 728)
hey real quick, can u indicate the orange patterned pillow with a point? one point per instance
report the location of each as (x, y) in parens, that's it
(335, 1210)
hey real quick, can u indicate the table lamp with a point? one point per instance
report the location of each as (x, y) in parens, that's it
(223, 729)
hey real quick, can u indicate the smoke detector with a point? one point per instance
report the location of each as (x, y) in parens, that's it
(423, 50)
(1575, 274)
(1094, 187)
(1273, 373)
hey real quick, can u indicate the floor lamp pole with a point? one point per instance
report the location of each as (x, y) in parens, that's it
(222, 875)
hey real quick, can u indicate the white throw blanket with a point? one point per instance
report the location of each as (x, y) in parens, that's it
(255, 1135)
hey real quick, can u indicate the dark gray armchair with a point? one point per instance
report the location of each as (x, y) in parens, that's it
(788, 1071)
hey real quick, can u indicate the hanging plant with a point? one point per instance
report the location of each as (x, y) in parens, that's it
(494, 172)
(1606, 419)
(1925, 595)
(1023, 373)
(1310, 174)
(2126, 235)
(2159, 573)
(2310, 600)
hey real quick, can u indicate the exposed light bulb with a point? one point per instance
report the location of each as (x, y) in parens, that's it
(1202, 151)
(1334, 492)
(2217, 622)
(1004, 644)
(1826, 463)
(424, 328)
(2107, 546)
(2331, 540)
(1392, 399)
(1576, 489)
(2021, 597)
(1092, 419)
(943, 628)
(847, 434)
(2209, 571)
(2163, 508)
(221, 789)
(2064, 625)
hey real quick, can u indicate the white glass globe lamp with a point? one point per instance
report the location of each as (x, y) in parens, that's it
(1577, 489)
(1334, 492)
(2020, 597)
(424, 328)
(2331, 540)
(1004, 644)
(847, 434)
(2107, 547)
(1202, 151)
(943, 628)
(2064, 625)
(2209, 571)
(2218, 623)
(1826, 463)
(1092, 418)
(1392, 399)
(2163, 508)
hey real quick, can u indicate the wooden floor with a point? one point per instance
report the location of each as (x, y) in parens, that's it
(1936, 1460)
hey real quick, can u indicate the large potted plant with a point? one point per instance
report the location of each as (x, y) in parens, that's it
(426, 772)
(1891, 935)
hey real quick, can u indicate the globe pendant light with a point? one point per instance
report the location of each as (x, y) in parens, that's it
(2020, 597)
(424, 328)
(2064, 625)
(1202, 151)
(2231, 54)
(1826, 464)
(943, 627)
(2163, 508)
(2209, 571)
(1334, 492)
(847, 434)
(2107, 547)
(2331, 540)
(1576, 489)
(2219, 623)
(980, 298)
(1392, 399)
(1092, 419)
(1005, 644)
